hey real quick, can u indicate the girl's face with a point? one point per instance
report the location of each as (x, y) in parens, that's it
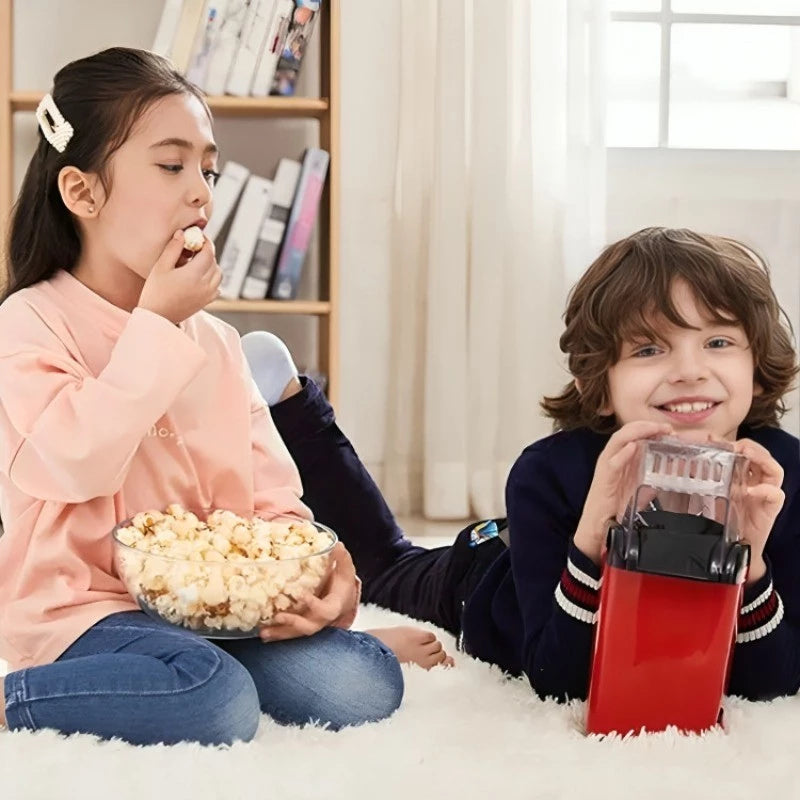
(161, 180)
(700, 381)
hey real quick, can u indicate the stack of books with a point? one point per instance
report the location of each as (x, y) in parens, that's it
(269, 225)
(246, 48)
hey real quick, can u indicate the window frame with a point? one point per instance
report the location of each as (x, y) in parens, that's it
(666, 18)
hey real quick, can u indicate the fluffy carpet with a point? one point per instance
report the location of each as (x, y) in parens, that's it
(462, 733)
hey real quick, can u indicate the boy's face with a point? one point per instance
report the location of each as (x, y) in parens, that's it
(700, 381)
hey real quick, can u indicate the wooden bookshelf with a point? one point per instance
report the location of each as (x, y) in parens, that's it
(221, 106)
(325, 109)
(311, 308)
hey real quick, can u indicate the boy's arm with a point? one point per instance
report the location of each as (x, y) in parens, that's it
(766, 657)
(68, 436)
(556, 584)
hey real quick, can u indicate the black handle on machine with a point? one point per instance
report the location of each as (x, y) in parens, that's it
(678, 545)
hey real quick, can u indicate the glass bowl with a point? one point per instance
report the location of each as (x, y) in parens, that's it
(220, 573)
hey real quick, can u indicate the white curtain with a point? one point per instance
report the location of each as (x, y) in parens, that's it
(499, 204)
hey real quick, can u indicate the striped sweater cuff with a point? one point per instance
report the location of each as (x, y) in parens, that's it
(578, 591)
(761, 612)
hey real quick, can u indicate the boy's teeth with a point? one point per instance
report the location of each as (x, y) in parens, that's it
(687, 408)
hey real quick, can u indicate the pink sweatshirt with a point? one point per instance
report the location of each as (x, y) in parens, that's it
(104, 413)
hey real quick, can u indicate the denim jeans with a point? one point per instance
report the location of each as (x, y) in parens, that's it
(133, 677)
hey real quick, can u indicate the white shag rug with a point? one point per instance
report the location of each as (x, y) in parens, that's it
(466, 732)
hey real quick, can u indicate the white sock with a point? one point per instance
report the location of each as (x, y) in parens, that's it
(270, 362)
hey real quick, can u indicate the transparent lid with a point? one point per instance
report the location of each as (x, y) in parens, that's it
(671, 475)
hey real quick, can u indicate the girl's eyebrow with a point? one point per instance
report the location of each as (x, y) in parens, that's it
(184, 144)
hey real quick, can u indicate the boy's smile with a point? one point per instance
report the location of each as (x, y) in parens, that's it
(698, 378)
(689, 410)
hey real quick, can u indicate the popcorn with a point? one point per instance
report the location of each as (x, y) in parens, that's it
(193, 239)
(224, 576)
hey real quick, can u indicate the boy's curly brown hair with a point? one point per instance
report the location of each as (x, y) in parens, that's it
(630, 285)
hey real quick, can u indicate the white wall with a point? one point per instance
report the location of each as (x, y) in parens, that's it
(752, 196)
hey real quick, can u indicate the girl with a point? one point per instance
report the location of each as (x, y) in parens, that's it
(101, 344)
(667, 332)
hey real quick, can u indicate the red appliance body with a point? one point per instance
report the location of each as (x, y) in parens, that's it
(673, 574)
(662, 652)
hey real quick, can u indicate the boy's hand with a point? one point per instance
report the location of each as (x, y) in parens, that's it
(762, 503)
(178, 292)
(335, 608)
(604, 501)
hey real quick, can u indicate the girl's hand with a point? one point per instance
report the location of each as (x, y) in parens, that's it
(336, 607)
(762, 502)
(178, 292)
(604, 501)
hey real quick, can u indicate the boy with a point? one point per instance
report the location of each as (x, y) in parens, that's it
(667, 332)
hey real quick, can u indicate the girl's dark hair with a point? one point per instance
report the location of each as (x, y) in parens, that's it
(630, 284)
(102, 97)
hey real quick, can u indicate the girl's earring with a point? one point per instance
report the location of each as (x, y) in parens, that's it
(91, 209)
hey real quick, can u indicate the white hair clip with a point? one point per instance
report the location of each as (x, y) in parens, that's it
(56, 129)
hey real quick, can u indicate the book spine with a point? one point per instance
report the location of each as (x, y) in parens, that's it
(254, 31)
(293, 50)
(186, 34)
(284, 188)
(226, 193)
(241, 242)
(286, 277)
(225, 46)
(170, 17)
(256, 283)
(276, 36)
(204, 43)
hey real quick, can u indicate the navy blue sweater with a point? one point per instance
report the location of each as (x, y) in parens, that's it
(534, 610)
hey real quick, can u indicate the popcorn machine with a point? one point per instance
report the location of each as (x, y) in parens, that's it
(671, 589)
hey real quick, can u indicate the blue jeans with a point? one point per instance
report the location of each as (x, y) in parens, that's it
(133, 677)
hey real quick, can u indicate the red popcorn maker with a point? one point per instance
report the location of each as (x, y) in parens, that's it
(671, 589)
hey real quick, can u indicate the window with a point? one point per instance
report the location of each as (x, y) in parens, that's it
(718, 74)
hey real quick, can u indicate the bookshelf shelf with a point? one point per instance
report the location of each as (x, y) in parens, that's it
(324, 109)
(268, 107)
(311, 308)
(223, 106)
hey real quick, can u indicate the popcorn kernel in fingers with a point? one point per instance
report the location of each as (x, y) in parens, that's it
(193, 239)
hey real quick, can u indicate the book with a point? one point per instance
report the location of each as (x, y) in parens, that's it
(229, 186)
(207, 34)
(190, 21)
(303, 216)
(284, 187)
(251, 42)
(167, 26)
(241, 242)
(279, 22)
(304, 18)
(269, 239)
(225, 45)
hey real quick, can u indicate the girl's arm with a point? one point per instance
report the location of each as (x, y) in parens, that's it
(277, 487)
(556, 584)
(68, 436)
